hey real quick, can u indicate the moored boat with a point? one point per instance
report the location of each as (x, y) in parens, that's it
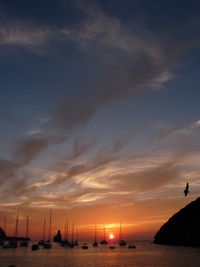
(47, 245)
(24, 243)
(122, 243)
(35, 247)
(71, 244)
(104, 241)
(42, 241)
(76, 241)
(11, 244)
(85, 246)
(95, 244)
(131, 246)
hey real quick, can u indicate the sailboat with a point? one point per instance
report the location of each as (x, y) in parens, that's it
(47, 245)
(122, 242)
(76, 241)
(131, 246)
(95, 244)
(71, 244)
(104, 241)
(24, 243)
(13, 243)
(85, 245)
(35, 247)
(42, 241)
(65, 241)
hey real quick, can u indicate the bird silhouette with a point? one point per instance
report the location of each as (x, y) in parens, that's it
(186, 191)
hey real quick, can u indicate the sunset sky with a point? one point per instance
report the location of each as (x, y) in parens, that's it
(100, 113)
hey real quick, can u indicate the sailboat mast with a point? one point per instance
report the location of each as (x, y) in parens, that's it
(77, 233)
(120, 232)
(95, 233)
(50, 218)
(104, 232)
(16, 226)
(67, 229)
(72, 232)
(27, 227)
(44, 226)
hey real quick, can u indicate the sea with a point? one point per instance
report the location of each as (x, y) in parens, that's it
(145, 254)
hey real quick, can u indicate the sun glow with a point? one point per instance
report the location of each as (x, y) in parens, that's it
(111, 236)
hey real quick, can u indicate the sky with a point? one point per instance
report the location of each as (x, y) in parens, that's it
(99, 112)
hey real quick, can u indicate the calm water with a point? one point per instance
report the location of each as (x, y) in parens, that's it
(145, 254)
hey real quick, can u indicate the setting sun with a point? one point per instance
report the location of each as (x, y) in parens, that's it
(111, 236)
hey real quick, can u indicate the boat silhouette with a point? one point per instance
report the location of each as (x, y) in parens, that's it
(24, 243)
(42, 241)
(71, 244)
(122, 243)
(131, 246)
(65, 242)
(13, 242)
(47, 245)
(104, 241)
(35, 247)
(85, 245)
(95, 244)
(76, 241)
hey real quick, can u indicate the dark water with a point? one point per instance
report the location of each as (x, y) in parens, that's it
(145, 254)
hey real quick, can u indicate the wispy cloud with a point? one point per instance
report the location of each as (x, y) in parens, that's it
(25, 152)
(129, 63)
(24, 34)
(197, 124)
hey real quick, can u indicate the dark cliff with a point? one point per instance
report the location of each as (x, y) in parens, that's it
(2, 234)
(58, 237)
(4, 237)
(183, 228)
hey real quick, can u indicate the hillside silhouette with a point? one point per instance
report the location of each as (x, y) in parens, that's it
(183, 228)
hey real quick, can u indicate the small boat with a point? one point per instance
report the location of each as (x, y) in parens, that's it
(41, 243)
(64, 243)
(104, 241)
(131, 246)
(35, 247)
(24, 243)
(95, 244)
(76, 241)
(122, 243)
(112, 247)
(85, 246)
(11, 244)
(47, 245)
(71, 245)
